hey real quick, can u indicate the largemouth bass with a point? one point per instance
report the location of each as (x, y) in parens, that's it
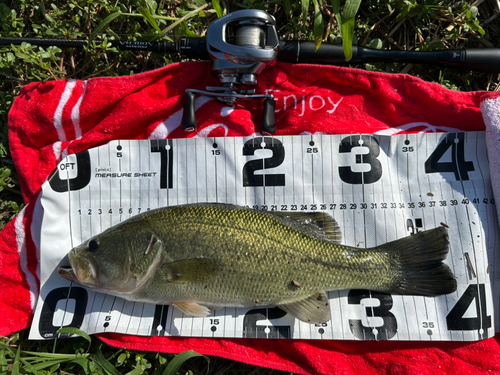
(201, 257)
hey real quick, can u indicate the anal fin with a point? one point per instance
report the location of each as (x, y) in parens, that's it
(314, 309)
(192, 308)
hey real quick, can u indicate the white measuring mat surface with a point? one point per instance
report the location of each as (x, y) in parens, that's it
(378, 188)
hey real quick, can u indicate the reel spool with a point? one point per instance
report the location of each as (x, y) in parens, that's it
(240, 45)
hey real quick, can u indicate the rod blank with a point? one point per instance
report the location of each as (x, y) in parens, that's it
(479, 59)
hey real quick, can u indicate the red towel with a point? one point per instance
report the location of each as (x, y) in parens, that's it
(50, 120)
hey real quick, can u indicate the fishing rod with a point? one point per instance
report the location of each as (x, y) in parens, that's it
(243, 43)
(294, 51)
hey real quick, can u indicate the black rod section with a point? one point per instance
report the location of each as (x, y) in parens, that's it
(45, 42)
(195, 48)
(480, 59)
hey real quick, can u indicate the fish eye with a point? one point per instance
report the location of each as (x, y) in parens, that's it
(93, 245)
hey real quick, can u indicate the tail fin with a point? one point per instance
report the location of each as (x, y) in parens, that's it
(419, 261)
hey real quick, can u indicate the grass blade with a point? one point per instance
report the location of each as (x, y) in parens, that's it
(149, 17)
(15, 368)
(47, 356)
(175, 364)
(103, 363)
(351, 8)
(348, 16)
(319, 27)
(287, 7)
(85, 364)
(305, 10)
(335, 6)
(103, 24)
(187, 31)
(347, 30)
(137, 371)
(217, 7)
(186, 17)
(43, 365)
(29, 367)
(3, 361)
(76, 332)
(336, 11)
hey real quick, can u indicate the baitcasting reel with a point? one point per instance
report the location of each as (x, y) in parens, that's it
(241, 45)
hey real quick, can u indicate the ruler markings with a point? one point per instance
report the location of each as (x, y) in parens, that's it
(196, 148)
(91, 309)
(136, 318)
(225, 160)
(99, 312)
(363, 199)
(311, 143)
(71, 239)
(413, 141)
(322, 171)
(264, 180)
(412, 201)
(215, 176)
(480, 312)
(129, 159)
(192, 326)
(317, 191)
(493, 223)
(110, 311)
(435, 223)
(452, 221)
(409, 310)
(402, 173)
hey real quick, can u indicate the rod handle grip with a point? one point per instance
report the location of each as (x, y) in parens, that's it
(483, 59)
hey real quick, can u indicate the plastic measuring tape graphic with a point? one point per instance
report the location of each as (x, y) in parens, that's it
(378, 188)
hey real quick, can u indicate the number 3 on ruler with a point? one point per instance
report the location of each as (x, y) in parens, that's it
(389, 327)
(375, 172)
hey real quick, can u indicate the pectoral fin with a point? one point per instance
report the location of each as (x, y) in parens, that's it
(213, 307)
(313, 309)
(190, 270)
(192, 308)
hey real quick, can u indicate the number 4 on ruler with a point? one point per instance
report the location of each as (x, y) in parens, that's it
(457, 165)
(455, 318)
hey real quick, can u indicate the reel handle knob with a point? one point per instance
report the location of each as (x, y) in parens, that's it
(188, 122)
(268, 116)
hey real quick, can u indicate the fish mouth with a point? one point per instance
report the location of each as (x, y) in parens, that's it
(68, 273)
(81, 270)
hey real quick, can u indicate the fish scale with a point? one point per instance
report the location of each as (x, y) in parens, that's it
(268, 257)
(203, 256)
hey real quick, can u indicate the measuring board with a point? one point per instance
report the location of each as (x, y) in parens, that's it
(378, 188)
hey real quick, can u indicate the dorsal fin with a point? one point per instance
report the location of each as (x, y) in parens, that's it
(318, 222)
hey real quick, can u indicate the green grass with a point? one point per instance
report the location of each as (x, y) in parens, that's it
(401, 25)
(86, 355)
